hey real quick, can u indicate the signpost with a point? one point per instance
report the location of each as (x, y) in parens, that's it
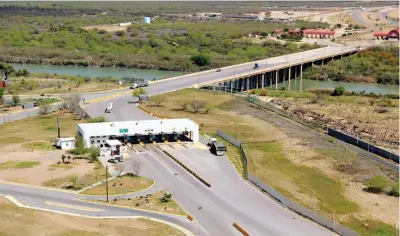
(123, 130)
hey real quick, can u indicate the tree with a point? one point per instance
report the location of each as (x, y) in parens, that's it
(16, 100)
(377, 183)
(339, 26)
(201, 60)
(285, 30)
(45, 108)
(184, 104)
(197, 105)
(120, 33)
(79, 80)
(264, 34)
(339, 91)
(137, 92)
(79, 146)
(157, 101)
(94, 153)
(303, 28)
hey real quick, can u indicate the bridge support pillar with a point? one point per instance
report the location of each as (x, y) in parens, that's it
(276, 79)
(290, 70)
(257, 78)
(241, 85)
(262, 81)
(270, 79)
(247, 83)
(295, 78)
(301, 77)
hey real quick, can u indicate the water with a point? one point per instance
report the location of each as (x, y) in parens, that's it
(356, 87)
(159, 74)
(97, 71)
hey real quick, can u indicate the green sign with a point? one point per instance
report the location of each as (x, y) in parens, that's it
(123, 130)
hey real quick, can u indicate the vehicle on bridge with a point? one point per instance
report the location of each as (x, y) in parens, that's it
(255, 66)
(216, 147)
(109, 108)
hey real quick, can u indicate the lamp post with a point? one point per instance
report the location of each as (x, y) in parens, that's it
(175, 174)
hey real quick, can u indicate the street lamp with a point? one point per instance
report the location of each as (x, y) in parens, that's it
(198, 224)
(175, 174)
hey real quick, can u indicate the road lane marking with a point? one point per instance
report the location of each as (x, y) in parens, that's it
(200, 146)
(75, 207)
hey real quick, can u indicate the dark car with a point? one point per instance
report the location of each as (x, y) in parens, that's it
(219, 70)
(112, 160)
(255, 66)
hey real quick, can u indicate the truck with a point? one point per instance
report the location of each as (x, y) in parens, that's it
(137, 83)
(109, 108)
(216, 147)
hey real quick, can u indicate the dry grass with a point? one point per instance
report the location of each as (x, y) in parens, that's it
(38, 128)
(83, 87)
(18, 164)
(152, 202)
(121, 185)
(108, 28)
(48, 224)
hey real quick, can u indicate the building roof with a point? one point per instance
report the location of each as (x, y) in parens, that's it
(392, 33)
(113, 142)
(141, 127)
(278, 30)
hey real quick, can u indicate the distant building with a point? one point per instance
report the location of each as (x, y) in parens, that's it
(307, 33)
(147, 20)
(394, 33)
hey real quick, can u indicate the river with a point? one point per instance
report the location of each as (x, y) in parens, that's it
(160, 74)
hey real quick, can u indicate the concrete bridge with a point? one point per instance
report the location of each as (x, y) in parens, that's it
(275, 70)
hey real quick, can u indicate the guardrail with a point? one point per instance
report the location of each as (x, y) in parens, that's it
(187, 168)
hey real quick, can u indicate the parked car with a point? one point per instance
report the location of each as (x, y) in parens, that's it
(112, 160)
(119, 159)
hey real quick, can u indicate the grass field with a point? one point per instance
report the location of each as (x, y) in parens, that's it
(18, 164)
(49, 224)
(152, 203)
(121, 185)
(268, 162)
(83, 88)
(64, 166)
(371, 228)
(38, 129)
(59, 182)
(46, 146)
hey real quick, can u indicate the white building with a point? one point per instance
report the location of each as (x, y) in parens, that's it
(139, 131)
(65, 143)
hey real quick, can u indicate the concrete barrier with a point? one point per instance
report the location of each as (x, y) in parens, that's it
(190, 217)
(241, 230)
(144, 109)
(188, 169)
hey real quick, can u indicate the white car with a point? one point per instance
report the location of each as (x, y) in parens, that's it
(134, 85)
(109, 108)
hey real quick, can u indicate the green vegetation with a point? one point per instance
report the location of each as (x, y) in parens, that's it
(47, 146)
(267, 160)
(374, 65)
(281, 93)
(167, 45)
(395, 190)
(97, 119)
(121, 185)
(339, 91)
(79, 146)
(137, 92)
(62, 182)
(371, 227)
(18, 164)
(377, 184)
(94, 152)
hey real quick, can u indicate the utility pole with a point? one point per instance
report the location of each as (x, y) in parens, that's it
(58, 127)
(107, 182)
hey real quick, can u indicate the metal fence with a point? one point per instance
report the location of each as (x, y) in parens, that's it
(364, 145)
(299, 209)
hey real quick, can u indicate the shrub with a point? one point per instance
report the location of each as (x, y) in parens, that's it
(339, 91)
(377, 183)
(317, 98)
(97, 119)
(385, 102)
(16, 100)
(120, 33)
(79, 146)
(263, 92)
(381, 110)
(395, 190)
(94, 152)
(201, 60)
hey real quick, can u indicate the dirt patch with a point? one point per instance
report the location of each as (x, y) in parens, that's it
(44, 171)
(108, 28)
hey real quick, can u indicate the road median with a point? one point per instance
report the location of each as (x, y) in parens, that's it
(240, 228)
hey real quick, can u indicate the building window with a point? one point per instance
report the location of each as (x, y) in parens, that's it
(92, 142)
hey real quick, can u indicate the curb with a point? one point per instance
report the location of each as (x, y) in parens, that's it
(178, 227)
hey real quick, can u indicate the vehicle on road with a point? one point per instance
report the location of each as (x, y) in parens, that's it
(109, 108)
(133, 86)
(112, 160)
(219, 70)
(216, 147)
(255, 66)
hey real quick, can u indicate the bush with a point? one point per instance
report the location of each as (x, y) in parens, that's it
(94, 152)
(1, 92)
(79, 146)
(97, 119)
(339, 91)
(16, 100)
(377, 183)
(317, 98)
(395, 190)
(201, 60)
(263, 92)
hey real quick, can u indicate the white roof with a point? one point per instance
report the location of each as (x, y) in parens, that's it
(113, 142)
(142, 127)
(66, 139)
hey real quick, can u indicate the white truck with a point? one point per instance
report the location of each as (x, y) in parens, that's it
(216, 147)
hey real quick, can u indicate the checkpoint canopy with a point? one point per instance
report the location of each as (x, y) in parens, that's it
(99, 133)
